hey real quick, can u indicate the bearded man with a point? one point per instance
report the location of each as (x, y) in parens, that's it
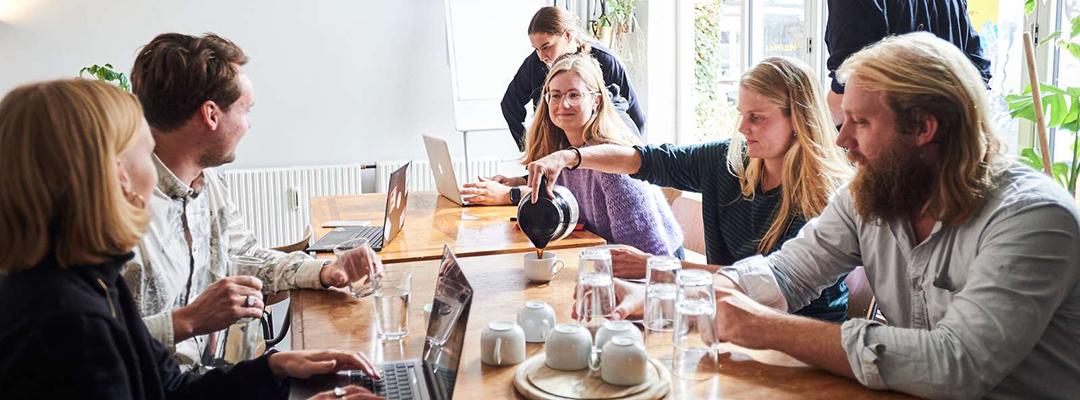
(973, 258)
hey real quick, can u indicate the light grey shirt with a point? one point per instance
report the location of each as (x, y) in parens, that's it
(989, 308)
(167, 274)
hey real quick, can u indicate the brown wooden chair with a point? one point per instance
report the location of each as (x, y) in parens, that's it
(861, 301)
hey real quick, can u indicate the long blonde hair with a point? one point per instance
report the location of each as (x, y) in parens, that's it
(921, 75)
(61, 194)
(814, 167)
(605, 126)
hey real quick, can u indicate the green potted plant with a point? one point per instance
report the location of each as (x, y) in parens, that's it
(108, 74)
(616, 19)
(1061, 109)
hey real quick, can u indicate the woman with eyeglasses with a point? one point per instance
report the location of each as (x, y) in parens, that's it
(76, 168)
(553, 33)
(575, 113)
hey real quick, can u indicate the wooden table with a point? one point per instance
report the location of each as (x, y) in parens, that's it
(326, 319)
(431, 221)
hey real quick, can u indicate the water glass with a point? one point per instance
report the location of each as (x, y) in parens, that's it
(695, 310)
(595, 289)
(660, 291)
(362, 287)
(240, 265)
(391, 293)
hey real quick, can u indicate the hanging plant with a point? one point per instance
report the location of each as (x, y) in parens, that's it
(106, 73)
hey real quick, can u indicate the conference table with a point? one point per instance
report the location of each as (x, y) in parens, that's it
(333, 319)
(432, 220)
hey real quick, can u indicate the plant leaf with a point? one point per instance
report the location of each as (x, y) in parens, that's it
(1061, 173)
(1029, 6)
(1071, 122)
(1049, 38)
(1075, 27)
(1031, 159)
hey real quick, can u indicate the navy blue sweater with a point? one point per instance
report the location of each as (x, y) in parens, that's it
(733, 224)
(855, 24)
(529, 79)
(76, 333)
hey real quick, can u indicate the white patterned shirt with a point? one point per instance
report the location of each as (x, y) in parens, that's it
(166, 274)
(989, 308)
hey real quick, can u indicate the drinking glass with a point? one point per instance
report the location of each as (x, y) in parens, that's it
(362, 287)
(661, 289)
(392, 304)
(695, 308)
(240, 265)
(595, 288)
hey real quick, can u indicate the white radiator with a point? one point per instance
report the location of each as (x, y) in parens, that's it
(275, 201)
(420, 176)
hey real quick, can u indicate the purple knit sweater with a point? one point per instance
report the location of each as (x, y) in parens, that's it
(623, 210)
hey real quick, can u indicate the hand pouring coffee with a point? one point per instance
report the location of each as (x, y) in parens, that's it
(548, 219)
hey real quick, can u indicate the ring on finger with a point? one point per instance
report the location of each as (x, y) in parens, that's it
(249, 301)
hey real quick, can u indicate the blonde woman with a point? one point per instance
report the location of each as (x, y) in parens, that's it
(758, 189)
(577, 113)
(555, 32)
(76, 170)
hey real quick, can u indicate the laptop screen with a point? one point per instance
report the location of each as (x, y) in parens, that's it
(397, 199)
(446, 325)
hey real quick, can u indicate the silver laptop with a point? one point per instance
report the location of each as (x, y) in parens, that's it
(397, 198)
(431, 377)
(442, 167)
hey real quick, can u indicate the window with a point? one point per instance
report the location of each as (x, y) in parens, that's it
(1066, 73)
(728, 37)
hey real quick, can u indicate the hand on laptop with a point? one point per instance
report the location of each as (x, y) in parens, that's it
(488, 192)
(304, 364)
(352, 266)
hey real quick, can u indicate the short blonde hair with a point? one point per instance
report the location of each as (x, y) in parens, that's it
(61, 197)
(814, 167)
(921, 75)
(605, 126)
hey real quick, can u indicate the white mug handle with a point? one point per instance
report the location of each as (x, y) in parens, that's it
(498, 353)
(556, 267)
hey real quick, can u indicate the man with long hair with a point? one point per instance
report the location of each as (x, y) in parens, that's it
(972, 256)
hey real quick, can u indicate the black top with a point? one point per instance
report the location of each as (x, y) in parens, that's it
(733, 224)
(76, 333)
(855, 24)
(529, 79)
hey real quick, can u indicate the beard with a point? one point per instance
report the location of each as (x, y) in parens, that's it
(216, 158)
(895, 185)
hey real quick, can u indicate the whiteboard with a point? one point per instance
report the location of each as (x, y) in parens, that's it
(486, 41)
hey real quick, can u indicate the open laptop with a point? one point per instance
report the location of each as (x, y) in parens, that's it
(443, 169)
(431, 377)
(397, 198)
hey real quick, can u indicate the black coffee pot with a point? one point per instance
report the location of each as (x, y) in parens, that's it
(548, 219)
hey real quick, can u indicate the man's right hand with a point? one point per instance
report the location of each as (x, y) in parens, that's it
(220, 305)
(629, 300)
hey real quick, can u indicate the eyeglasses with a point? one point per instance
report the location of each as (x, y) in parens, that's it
(573, 97)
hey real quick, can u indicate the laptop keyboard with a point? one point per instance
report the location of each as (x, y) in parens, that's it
(373, 236)
(395, 382)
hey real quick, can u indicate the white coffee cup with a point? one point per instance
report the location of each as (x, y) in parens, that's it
(568, 348)
(612, 329)
(623, 362)
(536, 319)
(502, 343)
(542, 269)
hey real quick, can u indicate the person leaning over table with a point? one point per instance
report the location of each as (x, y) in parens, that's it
(75, 161)
(197, 99)
(555, 32)
(759, 188)
(577, 113)
(973, 257)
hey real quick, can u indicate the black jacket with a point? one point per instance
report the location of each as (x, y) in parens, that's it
(529, 79)
(76, 333)
(855, 24)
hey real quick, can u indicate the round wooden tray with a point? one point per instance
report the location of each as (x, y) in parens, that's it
(534, 380)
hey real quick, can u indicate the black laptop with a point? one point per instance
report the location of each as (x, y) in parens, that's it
(397, 198)
(431, 377)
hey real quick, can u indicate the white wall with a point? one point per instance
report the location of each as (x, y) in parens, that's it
(335, 81)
